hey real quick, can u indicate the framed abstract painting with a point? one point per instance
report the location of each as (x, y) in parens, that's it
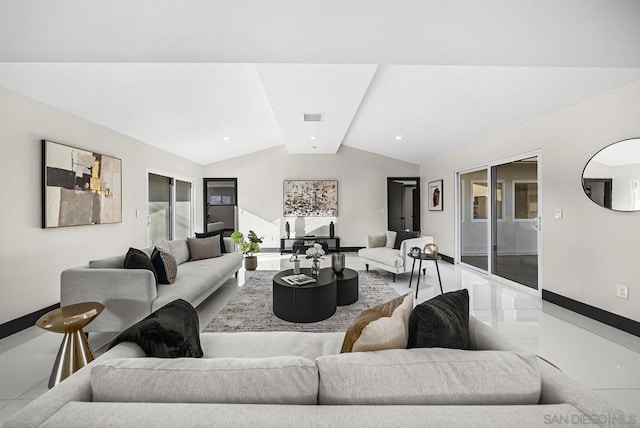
(79, 187)
(310, 198)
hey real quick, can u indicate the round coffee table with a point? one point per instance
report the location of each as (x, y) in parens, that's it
(306, 303)
(347, 287)
(74, 352)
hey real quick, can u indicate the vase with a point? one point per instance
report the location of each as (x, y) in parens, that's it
(250, 262)
(332, 230)
(296, 267)
(315, 267)
(337, 262)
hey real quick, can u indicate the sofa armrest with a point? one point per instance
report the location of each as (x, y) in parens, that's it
(127, 294)
(406, 245)
(229, 245)
(376, 240)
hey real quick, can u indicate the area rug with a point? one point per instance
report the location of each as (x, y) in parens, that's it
(251, 308)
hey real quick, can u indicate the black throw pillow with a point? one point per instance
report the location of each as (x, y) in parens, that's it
(402, 235)
(442, 322)
(138, 259)
(170, 332)
(210, 234)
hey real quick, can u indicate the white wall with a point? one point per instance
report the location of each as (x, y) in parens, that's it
(362, 191)
(591, 249)
(32, 258)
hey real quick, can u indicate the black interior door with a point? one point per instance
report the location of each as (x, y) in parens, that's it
(416, 209)
(395, 205)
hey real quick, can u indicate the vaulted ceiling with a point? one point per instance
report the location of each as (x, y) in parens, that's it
(410, 79)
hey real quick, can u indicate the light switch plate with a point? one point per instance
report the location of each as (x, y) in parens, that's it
(557, 213)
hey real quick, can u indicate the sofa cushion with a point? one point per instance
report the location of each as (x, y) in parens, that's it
(276, 380)
(166, 266)
(204, 248)
(171, 331)
(429, 377)
(442, 321)
(138, 259)
(382, 327)
(375, 241)
(391, 238)
(116, 262)
(180, 249)
(384, 255)
(403, 235)
(217, 233)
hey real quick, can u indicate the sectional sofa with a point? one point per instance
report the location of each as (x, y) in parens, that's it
(293, 379)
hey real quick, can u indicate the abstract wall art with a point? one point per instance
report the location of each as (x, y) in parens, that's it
(311, 198)
(80, 187)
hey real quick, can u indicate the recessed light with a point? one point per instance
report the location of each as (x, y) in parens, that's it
(314, 147)
(313, 137)
(226, 138)
(398, 137)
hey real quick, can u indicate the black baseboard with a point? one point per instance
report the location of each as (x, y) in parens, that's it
(24, 322)
(350, 249)
(605, 317)
(446, 258)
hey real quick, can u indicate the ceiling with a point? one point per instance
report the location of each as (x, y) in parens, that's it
(211, 80)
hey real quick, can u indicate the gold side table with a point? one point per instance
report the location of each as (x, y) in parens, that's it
(75, 351)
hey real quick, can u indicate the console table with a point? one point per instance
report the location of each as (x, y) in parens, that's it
(290, 245)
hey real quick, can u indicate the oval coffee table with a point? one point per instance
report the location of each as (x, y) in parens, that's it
(306, 303)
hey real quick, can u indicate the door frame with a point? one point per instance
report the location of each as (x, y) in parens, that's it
(419, 193)
(458, 212)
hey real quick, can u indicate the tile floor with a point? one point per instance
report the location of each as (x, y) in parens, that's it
(603, 358)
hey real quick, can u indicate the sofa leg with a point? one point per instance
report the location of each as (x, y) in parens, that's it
(393, 275)
(236, 274)
(367, 267)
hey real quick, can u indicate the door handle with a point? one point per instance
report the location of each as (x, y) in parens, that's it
(537, 223)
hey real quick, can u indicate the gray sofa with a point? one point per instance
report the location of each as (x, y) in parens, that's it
(131, 294)
(293, 379)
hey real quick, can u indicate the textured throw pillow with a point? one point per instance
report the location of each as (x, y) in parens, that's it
(165, 265)
(381, 327)
(138, 259)
(218, 233)
(391, 239)
(170, 332)
(204, 248)
(402, 235)
(442, 322)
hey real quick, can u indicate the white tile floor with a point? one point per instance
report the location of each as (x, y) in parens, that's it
(601, 357)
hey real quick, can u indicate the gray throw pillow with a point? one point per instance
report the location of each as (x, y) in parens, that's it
(204, 248)
(442, 322)
(166, 266)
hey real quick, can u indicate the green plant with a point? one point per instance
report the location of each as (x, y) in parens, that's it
(248, 248)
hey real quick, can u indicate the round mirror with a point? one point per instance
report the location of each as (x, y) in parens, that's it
(611, 178)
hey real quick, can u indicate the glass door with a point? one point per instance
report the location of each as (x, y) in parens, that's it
(473, 215)
(159, 209)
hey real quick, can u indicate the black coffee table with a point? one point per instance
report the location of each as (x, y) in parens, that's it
(307, 303)
(347, 287)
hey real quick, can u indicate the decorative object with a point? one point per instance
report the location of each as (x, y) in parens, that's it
(315, 253)
(430, 250)
(332, 230)
(441, 322)
(80, 187)
(337, 262)
(310, 198)
(287, 229)
(248, 248)
(435, 195)
(250, 308)
(415, 251)
(382, 327)
(296, 263)
(75, 351)
(616, 166)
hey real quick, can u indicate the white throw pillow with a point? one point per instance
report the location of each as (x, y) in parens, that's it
(387, 332)
(391, 239)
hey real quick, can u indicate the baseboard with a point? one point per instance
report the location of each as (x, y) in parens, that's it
(621, 323)
(350, 249)
(24, 322)
(446, 258)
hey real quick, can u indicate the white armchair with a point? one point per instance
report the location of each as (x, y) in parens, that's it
(396, 261)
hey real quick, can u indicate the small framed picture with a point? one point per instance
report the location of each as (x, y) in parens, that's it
(435, 195)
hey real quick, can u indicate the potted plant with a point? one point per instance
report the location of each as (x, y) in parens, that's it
(248, 248)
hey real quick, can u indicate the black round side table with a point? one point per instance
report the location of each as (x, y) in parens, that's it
(347, 287)
(306, 303)
(421, 257)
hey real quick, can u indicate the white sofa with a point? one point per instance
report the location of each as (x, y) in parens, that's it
(294, 379)
(378, 255)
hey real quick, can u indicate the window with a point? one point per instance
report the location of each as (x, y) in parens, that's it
(525, 200)
(480, 200)
(170, 208)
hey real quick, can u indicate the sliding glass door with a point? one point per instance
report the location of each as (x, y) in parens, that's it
(498, 220)
(170, 208)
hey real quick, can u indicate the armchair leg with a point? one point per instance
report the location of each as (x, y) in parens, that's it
(424, 271)
(367, 267)
(393, 275)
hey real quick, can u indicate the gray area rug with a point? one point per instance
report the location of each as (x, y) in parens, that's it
(251, 308)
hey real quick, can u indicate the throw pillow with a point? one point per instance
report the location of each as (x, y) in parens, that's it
(402, 235)
(204, 248)
(138, 259)
(165, 265)
(381, 327)
(442, 322)
(218, 233)
(170, 332)
(391, 238)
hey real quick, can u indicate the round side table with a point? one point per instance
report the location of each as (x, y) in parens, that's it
(347, 287)
(74, 352)
(421, 257)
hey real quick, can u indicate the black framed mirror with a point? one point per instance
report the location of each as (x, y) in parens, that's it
(611, 178)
